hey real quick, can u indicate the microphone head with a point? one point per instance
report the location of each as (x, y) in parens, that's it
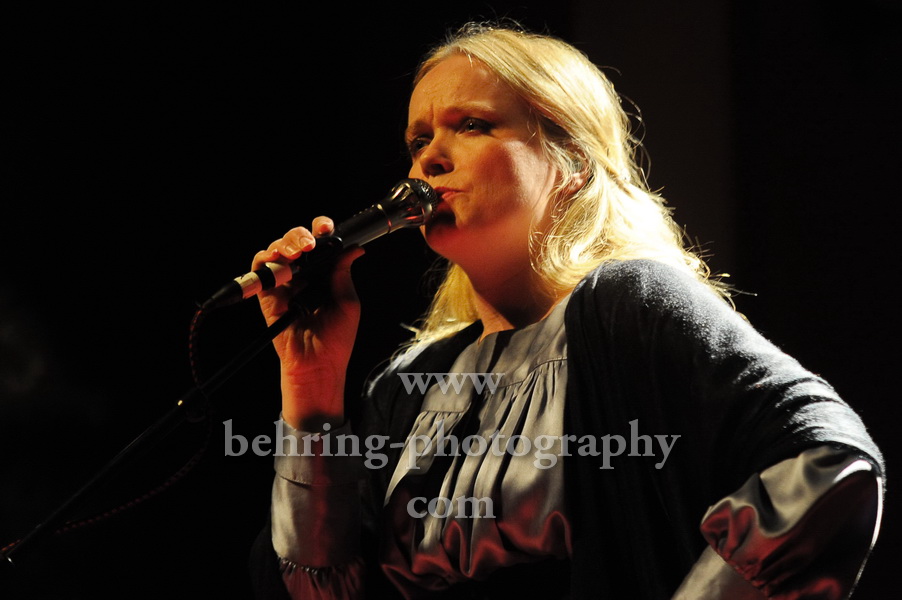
(423, 191)
(410, 204)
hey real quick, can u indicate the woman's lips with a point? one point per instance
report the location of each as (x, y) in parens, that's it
(445, 193)
(443, 211)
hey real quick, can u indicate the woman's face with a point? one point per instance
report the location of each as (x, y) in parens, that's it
(472, 139)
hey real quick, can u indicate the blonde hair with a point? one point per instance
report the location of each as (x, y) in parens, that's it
(603, 209)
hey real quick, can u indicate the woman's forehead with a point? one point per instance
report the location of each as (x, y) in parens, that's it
(459, 81)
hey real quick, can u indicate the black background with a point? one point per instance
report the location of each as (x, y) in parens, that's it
(150, 150)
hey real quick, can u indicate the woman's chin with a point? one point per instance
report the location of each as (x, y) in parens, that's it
(441, 234)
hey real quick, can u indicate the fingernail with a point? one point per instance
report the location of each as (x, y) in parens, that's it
(292, 251)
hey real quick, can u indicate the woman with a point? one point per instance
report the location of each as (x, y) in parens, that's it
(600, 422)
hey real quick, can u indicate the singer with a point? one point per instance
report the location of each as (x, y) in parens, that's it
(568, 284)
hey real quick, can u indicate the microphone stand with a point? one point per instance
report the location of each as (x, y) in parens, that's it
(190, 407)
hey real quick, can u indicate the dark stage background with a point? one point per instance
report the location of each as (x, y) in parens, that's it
(151, 150)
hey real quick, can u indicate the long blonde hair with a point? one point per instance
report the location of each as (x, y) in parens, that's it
(604, 210)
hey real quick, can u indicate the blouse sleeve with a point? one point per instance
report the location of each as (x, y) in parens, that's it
(316, 516)
(789, 533)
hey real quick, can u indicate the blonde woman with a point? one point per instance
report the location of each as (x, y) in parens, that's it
(582, 413)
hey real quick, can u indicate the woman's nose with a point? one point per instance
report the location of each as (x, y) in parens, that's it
(434, 159)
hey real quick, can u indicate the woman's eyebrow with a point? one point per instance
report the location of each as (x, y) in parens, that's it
(464, 108)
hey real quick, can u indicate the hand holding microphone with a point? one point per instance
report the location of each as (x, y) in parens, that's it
(314, 351)
(409, 204)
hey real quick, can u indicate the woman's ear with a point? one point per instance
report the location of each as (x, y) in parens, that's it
(579, 167)
(577, 180)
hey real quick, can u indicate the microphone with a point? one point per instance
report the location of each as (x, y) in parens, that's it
(409, 204)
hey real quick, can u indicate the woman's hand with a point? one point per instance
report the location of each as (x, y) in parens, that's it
(314, 350)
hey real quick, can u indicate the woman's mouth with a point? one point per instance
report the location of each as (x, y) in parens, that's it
(442, 211)
(445, 193)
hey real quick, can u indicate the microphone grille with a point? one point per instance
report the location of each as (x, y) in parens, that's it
(423, 191)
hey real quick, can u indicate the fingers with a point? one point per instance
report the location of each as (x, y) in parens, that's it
(322, 226)
(262, 257)
(294, 243)
(299, 240)
(289, 247)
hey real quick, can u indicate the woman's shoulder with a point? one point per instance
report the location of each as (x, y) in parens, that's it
(647, 284)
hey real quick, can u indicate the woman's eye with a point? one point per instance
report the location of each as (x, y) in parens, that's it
(416, 145)
(475, 125)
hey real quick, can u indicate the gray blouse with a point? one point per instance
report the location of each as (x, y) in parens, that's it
(495, 426)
